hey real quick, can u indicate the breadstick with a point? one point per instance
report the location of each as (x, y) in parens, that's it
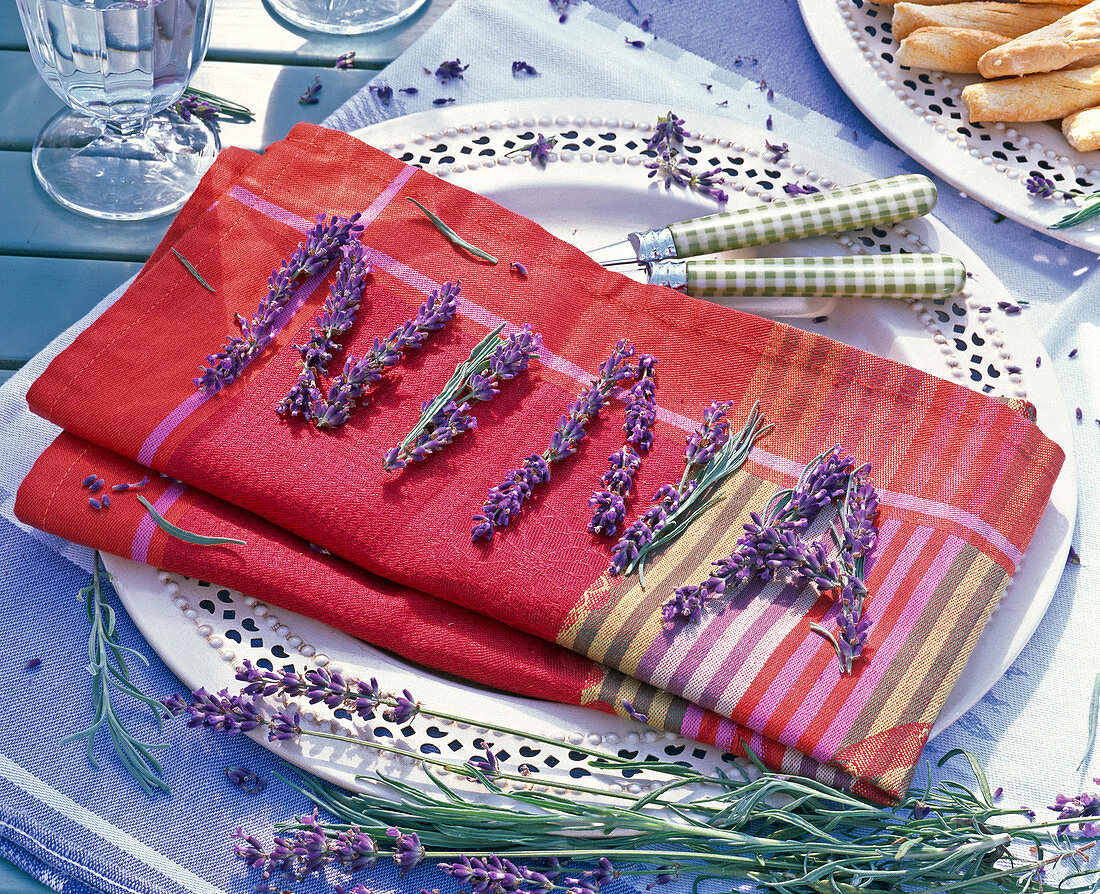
(1009, 19)
(1082, 130)
(1064, 42)
(947, 49)
(1039, 97)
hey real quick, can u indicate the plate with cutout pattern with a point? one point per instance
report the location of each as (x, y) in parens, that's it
(922, 112)
(593, 190)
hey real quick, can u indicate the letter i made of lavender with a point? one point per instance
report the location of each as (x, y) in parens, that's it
(336, 318)
(608, 502)
(506, 500)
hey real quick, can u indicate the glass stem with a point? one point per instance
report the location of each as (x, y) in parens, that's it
(126, 127)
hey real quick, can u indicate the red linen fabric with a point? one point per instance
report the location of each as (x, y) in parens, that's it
(964, 479)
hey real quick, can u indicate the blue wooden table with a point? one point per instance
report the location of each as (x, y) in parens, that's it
(56, 265)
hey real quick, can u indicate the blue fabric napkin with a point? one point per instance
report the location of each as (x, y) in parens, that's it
(79, 829)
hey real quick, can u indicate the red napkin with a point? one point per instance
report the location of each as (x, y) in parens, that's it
(281, 569)
(963, 478)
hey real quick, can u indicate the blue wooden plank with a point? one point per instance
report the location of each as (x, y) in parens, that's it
(43, 296)
(37, 226)
(15, 881)
(271, 91)
(247, 31)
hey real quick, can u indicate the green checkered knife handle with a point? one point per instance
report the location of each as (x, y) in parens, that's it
(784, 220)
(874, 276)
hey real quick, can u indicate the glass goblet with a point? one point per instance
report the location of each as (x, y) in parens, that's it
(117, 64)
(345, 16)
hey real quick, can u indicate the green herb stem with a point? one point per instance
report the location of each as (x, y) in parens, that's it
(107, 667)
(1086, 212)
(187, 536)
(1094, 711)
(191, 269)
(724, 463)
(478, 362)
(452, 235)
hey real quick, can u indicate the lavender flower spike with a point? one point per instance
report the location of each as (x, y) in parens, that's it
(641, 405)
(506, 500)
(669, 132)
(607, 504)
(337, 317)
(312, 256)
(446, 416)
(361, 373)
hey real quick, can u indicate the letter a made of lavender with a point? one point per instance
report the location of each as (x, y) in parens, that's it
(773, 546)
(321, 245)
(506, 500)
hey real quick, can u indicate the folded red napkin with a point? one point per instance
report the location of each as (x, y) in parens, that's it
(279, 567)
(962, 478)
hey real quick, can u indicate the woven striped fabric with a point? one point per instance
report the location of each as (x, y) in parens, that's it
(886, 276)
(787, 219)
(963, 479)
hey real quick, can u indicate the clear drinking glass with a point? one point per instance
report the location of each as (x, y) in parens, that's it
(345, 16)
(117, 64)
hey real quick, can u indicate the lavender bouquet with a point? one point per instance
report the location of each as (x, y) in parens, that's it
(747, 826)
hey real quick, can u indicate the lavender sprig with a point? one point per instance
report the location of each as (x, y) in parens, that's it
(210, 108)
(711, 456)
(336, 318)
(608, 503)
(311, 256)
(110, 676)
(362, 373)
(672, 165)
(477, 379)
(306, 850)
(506, 500)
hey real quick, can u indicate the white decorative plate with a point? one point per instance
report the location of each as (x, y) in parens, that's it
(923, 113)
(593, 191)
